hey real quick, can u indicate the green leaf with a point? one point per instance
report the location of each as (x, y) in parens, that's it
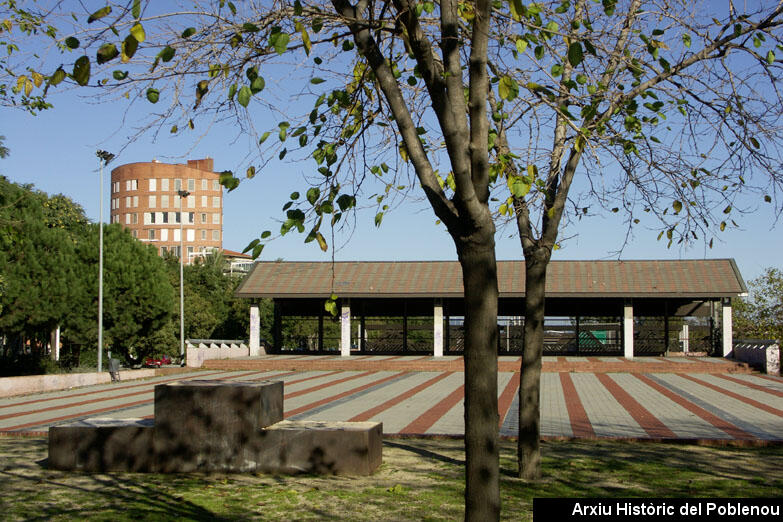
(136, 9)
(321, 242)
(686, 40)
(265, 234)
(81, 71)
(257, 85)
(137, 31)
(243, 97)
(539, 52)
(581, 79)
(129, 46)
(575, 54)
(251, 172)
(313, 194)
(263, 138)
(283, 128)
(556, 70)
(228, 180)
(57, 77)
(770, 58)
(119, 75)
(755, 142)
(107, 52)
(517, 10)
(153, 95)
(72, 43)
(187, 33)
(316, 81)
(232, 91)
(167, 53)
(378, 219)
(100, 13)
(248, 27)
(508, 88)
(521, 45)
(722, 226)
(677, 206)
(279, 40)
(518, 187)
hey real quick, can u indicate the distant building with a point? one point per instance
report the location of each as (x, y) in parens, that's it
(237, 262)
(148, 199)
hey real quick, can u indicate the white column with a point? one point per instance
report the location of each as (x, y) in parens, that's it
(685, 338)
(438, 328)
(345, 329)
(628, 330)
(727, 328)
(255, 331)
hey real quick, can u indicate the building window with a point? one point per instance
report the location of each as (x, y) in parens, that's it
(215, 184)
(191, 201)
(191, 185)
(216, 235)
(164, 184)
(135, 201)
(152, 218)
(153, 201)
(203, 235)
(163, 250)
(165, 217)
(204, 201)
(177, 217)
(164, 234)
(134, 219)
(176, 234)
(177, 185)
(153, 185)
(191, 217)
(190, 252)
(164, 202)
(177, 202)
(127, 219)
(191, 234)
(135, 233)
(128, 202)
(216, 202)
(205, 184)
(151, 234)
(216, 218)
(203, 217)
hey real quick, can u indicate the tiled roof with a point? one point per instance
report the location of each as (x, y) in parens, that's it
(682, 278)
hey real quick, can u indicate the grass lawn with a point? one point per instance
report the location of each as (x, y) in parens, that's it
(420, 479)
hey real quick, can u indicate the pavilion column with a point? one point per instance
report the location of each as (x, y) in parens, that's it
(255, 331)
(726, 325)
(345, 328)
(438, 328)
(628, 330)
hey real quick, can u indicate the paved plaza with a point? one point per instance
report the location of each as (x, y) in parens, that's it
(710, 403)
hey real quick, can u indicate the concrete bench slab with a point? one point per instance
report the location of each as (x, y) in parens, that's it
(203, 424)
(351, 448)
(101, 444)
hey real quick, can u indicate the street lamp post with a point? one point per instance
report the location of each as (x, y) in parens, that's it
(182, 195)
(104, 157)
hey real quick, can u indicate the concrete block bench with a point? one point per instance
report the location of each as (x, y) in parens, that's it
(217, 426)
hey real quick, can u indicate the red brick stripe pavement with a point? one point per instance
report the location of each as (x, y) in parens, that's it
(649, 422)
(426, 420)
(339, 396)
(507, 397)
(580, 423)
(325, 385)
(732, 430)
(733, 395)
(776, 393)
(366, 415)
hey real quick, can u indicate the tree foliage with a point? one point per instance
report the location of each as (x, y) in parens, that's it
(662, 113)
(760, 315)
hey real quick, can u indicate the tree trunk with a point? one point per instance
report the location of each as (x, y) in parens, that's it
(528, 444)
(479, 274)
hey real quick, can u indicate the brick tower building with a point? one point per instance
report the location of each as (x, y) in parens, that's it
(156, 200)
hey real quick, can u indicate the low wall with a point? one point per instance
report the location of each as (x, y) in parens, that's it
(762, 354)
(10, 386)
(197, 354)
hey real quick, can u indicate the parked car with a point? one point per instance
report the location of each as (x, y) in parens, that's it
(157, 362)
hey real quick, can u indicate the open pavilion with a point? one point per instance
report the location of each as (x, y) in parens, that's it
(628, 308)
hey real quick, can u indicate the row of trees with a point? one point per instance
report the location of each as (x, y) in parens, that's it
(661, 112)
(760, 315)
(49, 279)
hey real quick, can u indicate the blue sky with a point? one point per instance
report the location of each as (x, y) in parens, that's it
(55, 150)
